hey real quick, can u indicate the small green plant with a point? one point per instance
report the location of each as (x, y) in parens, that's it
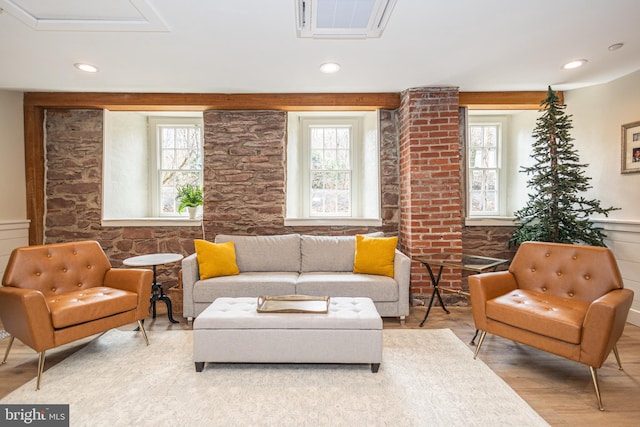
(189, 196)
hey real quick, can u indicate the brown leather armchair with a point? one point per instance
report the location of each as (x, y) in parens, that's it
(568, 300)
(58, 293)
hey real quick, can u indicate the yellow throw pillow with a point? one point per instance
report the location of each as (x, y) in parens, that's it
(375, 255)
(216, 259)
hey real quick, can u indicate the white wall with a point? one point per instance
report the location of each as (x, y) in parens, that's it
(126, 165)
(14, 227)
(598, 115)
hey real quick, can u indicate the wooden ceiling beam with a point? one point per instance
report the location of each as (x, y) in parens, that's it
(521, 100)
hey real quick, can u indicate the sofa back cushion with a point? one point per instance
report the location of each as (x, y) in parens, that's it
(329, 253)
(265, 253)
(568, 271)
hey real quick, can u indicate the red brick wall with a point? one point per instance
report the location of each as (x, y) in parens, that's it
(430, 179)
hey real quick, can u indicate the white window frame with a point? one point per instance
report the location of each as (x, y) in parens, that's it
(501, 122)
(365, 181)
(156, 123)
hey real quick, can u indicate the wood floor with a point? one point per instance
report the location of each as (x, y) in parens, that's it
(559, 390)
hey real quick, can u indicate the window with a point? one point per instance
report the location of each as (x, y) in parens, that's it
(332, 169)
(178, 146)
(486, 181)
(147, 155)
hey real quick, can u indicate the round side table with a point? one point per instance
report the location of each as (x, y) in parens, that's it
(157, 293)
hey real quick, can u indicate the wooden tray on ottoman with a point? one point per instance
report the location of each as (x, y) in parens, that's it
(293, 304)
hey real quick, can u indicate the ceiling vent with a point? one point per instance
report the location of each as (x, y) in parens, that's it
(342, 18)
(82, 15)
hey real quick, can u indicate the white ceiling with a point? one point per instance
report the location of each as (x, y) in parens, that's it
(251, 46)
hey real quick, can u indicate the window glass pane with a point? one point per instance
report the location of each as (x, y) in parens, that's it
(490, 136)
(491, 180)
(476, 180)
(343, 138)
(317, 138)
(475, 136)
(330, 138)
(489, 158)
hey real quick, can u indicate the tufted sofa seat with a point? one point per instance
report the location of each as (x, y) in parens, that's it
(568, 300)
(58, 293)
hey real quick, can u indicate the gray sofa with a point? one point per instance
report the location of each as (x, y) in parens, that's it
(297, 264)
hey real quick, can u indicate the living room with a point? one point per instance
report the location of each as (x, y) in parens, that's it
(66, 204)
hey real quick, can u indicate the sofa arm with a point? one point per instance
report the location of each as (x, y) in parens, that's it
(402, 276)
(133, 280)
(190, 275)
(603, 325)
(486, 286)
(26, 316)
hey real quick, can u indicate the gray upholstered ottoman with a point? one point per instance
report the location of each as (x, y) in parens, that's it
(231, 330)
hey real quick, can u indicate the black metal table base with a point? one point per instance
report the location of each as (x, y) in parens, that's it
(436, 292)
(157, 294)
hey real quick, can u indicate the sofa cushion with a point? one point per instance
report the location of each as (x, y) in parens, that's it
(548, 315)
(265, 253)
(250, 284)
(216, 259)
(375, 255)
(345, 284)
(74, 308)
(327, 253)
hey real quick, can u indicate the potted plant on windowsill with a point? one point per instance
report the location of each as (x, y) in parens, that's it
(189, 196)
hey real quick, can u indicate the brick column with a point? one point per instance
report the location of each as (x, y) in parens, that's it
(430, 200)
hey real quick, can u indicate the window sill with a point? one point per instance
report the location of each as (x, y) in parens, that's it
(494, 221)
(309, 222)
(152, 222)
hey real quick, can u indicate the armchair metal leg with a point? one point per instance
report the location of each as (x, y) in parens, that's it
(144, 332)
(615, 353)
(594, 377)
(484, 333)
(6, 353)
(41, 357)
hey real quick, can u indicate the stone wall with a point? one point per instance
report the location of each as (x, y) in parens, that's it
(244, 184)
(74, 196)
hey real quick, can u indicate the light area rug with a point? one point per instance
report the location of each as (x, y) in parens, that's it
(427, 378)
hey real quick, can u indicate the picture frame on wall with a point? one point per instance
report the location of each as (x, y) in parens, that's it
(631, 147)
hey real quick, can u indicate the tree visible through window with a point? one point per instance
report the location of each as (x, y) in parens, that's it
(484, 146)
(330, 171)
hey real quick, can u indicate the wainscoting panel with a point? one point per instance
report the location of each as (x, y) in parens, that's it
(623, 238)
(13, 234)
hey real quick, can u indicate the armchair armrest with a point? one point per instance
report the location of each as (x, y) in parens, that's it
(402, 275)
(486, 286)
(26, 316)
(133, 280)
(190, 275)
(603, 325)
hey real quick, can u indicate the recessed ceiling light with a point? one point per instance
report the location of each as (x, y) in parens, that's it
(615, 46)
(574, 64)
(86, 67)
(330, 67)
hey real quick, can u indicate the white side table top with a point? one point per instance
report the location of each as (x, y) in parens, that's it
(152, 259)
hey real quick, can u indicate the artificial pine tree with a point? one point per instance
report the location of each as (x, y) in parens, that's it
(556, 212)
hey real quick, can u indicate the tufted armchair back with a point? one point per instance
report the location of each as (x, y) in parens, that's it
(57, 268)
(583, 273)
